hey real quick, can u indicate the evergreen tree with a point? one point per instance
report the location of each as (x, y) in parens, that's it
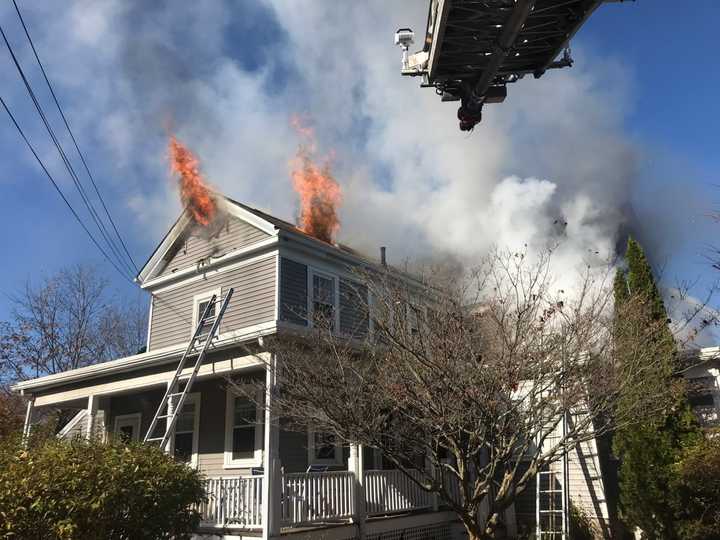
(648, 451)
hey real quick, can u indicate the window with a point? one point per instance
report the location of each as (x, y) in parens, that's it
(200, 302)
(243, 431)
(185, 442)
(323, 449)
(324, 301)
(127, 427)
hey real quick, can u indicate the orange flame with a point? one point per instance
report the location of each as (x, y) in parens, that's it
(320, 194)
(194, 192)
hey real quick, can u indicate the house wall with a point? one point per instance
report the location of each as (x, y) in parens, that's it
(294, 297)
(253, 301)
(211, 441)
(585, 486)
(190, 251)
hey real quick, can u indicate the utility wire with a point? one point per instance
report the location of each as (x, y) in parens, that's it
(57, 188)
(68, 165)
(72, 136)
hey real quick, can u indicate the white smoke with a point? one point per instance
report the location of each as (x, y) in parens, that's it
(551, 165)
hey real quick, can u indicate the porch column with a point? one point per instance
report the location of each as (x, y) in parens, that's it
(29, 412)
(92, 409)
(357, 467)
(271, 487)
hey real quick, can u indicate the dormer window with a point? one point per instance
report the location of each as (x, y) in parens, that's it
(324, 299)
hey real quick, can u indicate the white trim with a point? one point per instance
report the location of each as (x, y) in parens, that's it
(134, 384)
(277, 286)
(312, 272)
(74, 421)
(134, 420)
(193, 398)
(184, 220)
(337, 458)
(191, 273)
(197, 300)
(150, 317)
(257, 459)
(216, 271)
(138, 361)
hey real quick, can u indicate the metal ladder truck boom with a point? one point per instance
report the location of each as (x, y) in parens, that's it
(172, 402)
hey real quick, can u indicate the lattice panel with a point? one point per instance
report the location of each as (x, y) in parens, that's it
(427, 532)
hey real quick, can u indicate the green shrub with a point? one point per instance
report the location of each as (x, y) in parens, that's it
(696, 485)
(90, 490)
(581, 526)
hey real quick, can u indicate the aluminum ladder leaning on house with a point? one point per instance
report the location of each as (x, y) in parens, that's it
(551, 492)
(172, 402)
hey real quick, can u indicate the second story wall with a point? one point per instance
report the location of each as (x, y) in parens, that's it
(297, 291)
(174, 309)
(189, 252)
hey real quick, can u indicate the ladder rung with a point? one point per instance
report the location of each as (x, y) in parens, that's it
(153, 439)
(176, 394)
(162, 416)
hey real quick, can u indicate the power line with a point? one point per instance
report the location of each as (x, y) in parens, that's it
(57, 188)
(72, 136)
(68, 165)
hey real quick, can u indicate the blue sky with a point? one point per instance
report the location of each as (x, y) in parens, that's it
(632, 125)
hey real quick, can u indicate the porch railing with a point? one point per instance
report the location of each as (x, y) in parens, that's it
(233, 501)
(311, 498)
(708, 415)
(388, 492)
(317, 497)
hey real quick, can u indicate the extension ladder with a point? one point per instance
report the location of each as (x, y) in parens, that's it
(172, 402)
(551, 499)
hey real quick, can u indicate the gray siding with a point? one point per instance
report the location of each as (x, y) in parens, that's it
(187, 252)
(354, 319)
(145, 403)
(293, 291)
(253, 302)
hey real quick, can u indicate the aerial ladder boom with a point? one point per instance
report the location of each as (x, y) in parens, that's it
(474, 49)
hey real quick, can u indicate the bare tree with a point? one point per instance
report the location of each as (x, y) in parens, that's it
(465, 380)
(69, 321)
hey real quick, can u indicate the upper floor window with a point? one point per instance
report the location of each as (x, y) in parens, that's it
(200, 303)
(324, 300)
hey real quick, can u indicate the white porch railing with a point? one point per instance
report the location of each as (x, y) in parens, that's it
(317, 497)
(708, 415)
(308, 498)
(233, 501)
(392, 491)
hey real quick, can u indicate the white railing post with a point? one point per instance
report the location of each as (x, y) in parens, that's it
(27, 427)
(433, 473)
(271, 487)
(356, 466)
(92, 409)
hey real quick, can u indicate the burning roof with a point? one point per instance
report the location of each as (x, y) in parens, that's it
(319, 192)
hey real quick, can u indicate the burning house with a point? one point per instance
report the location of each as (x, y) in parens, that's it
(224, 279)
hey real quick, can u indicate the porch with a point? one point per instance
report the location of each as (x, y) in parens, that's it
(312, 500)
